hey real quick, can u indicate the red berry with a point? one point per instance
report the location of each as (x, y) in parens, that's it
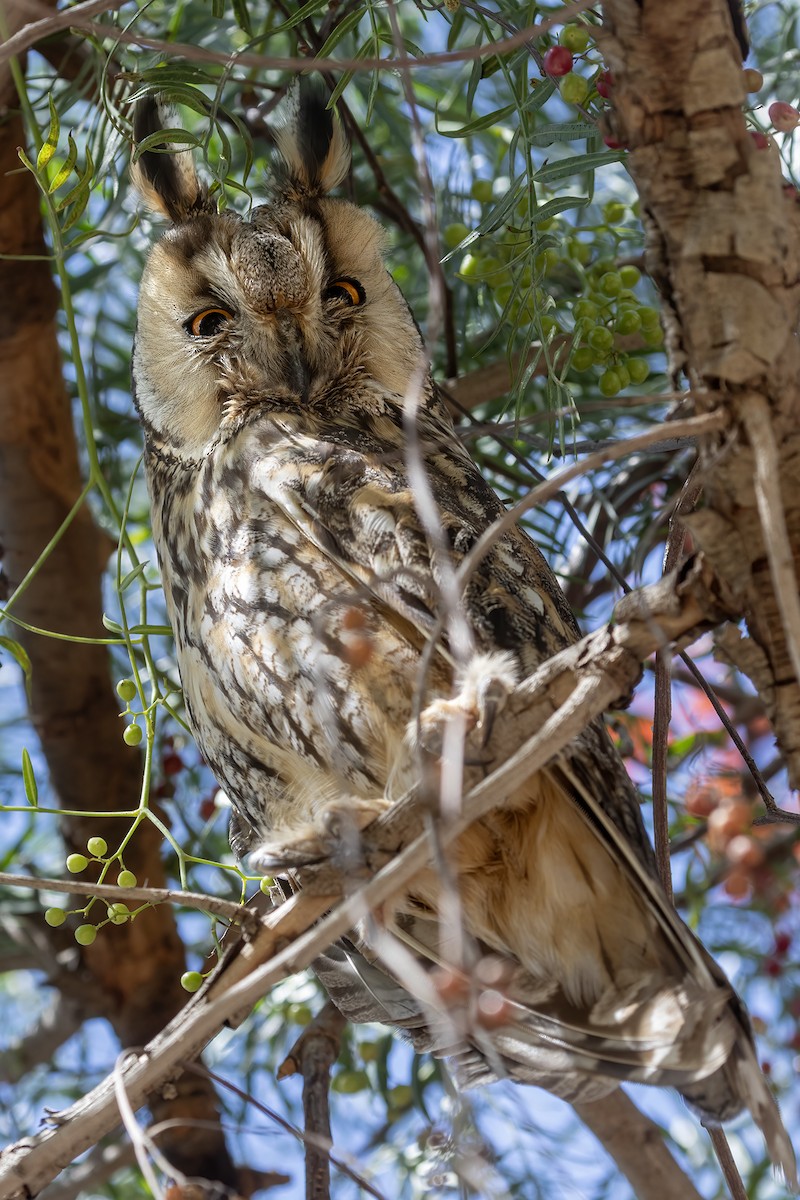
(613, 143)
(784, 117)
(604, 83)
(558, 61)
(207, 808)
(760, 139)
(783, 941)
(172, 764)
(773, 967)
(766, 1067)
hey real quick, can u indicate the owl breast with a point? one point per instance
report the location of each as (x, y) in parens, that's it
(298, 689)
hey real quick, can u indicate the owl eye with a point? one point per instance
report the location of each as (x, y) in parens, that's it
(349, 290)
(208, 323)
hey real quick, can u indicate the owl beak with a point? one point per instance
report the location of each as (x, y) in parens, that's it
(296, 371)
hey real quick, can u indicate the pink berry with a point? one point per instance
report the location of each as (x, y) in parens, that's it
(760, 139)
(783, 941)
(604, 83)
(558, 61)
(613, 143)
(784, 116)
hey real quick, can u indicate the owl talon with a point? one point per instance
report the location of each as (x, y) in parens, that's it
(336, 835)
(484, 690)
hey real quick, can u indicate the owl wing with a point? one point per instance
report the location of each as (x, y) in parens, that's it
(349, 493)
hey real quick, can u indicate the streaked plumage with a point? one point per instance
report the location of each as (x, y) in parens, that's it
(302, 585)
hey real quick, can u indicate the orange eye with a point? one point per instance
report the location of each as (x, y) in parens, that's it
(349, 290)
(208, 323)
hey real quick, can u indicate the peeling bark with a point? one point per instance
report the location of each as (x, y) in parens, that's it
(722, 246)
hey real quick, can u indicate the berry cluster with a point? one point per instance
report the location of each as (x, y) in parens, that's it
(608, 325)
(116, 913)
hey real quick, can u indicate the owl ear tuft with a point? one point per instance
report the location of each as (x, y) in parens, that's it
(165, 177)
(312, 142)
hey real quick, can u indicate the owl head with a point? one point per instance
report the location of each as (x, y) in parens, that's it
(278, 308)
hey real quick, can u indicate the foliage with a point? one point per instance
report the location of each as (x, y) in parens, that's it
(537, 247)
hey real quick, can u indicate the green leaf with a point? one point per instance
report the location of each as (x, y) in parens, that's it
(484, 122)
(49, 147)
(65, 170)
(340, 31)
(29, 780)
(20, 655)
(242, 16)
(578, 164)
(163, 139)
(569, 131)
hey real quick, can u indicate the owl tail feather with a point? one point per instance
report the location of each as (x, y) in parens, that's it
(741, 1077)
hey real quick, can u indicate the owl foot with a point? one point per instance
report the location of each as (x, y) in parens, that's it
(335, 836)
(485, 686)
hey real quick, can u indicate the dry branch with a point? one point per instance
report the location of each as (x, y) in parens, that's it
(549, 708)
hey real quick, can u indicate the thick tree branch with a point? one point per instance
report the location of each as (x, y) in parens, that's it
(637, 1146)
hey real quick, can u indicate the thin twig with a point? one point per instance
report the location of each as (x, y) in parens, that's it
(30, 34)
(727, 1165)
(313, 1055)
(227, 909)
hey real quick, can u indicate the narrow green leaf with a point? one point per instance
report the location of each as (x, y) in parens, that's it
(20, 655)
(218, 8)
(111, 625)
(29, 780)
(340, 31)
(164, 139)
(49, 147)
(23, 158)
(484, 122)
(579, 164)
(65, 170)
(569, 131)
(136, 573)
(242, 16)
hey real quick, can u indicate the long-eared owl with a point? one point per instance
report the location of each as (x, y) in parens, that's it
(274, 366)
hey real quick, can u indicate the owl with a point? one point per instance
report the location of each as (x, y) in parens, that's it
(278, 374)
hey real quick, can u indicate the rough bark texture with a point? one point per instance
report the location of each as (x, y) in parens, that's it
(723, 248)
(131, 974)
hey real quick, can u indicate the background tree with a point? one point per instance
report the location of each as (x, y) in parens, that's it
(499, 148)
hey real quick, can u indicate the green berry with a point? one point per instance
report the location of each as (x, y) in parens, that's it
(649, 317)
(611, 283)
(400, 1097)
(470, 267)
(614, 212)
(85, 935)
(97, 846)
(482, 190)
(77, 863)
(600, 338)
(132, 735)
(610, 383)
(55, 917)
(118, 913)
(503, 293)
(580, 252)
(548, 325)
(628, 321)
(575, 37)
(653, 337)
(126, 690)
(126, 879)
(585, 308)
(349, 1082)
(453, 236)
(369, 1051)
(630, 276)
(266, 884)
(624, 375)
(191, 981)
(574, 89)
(583, 358)
(299, 1014)
(638, 369)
